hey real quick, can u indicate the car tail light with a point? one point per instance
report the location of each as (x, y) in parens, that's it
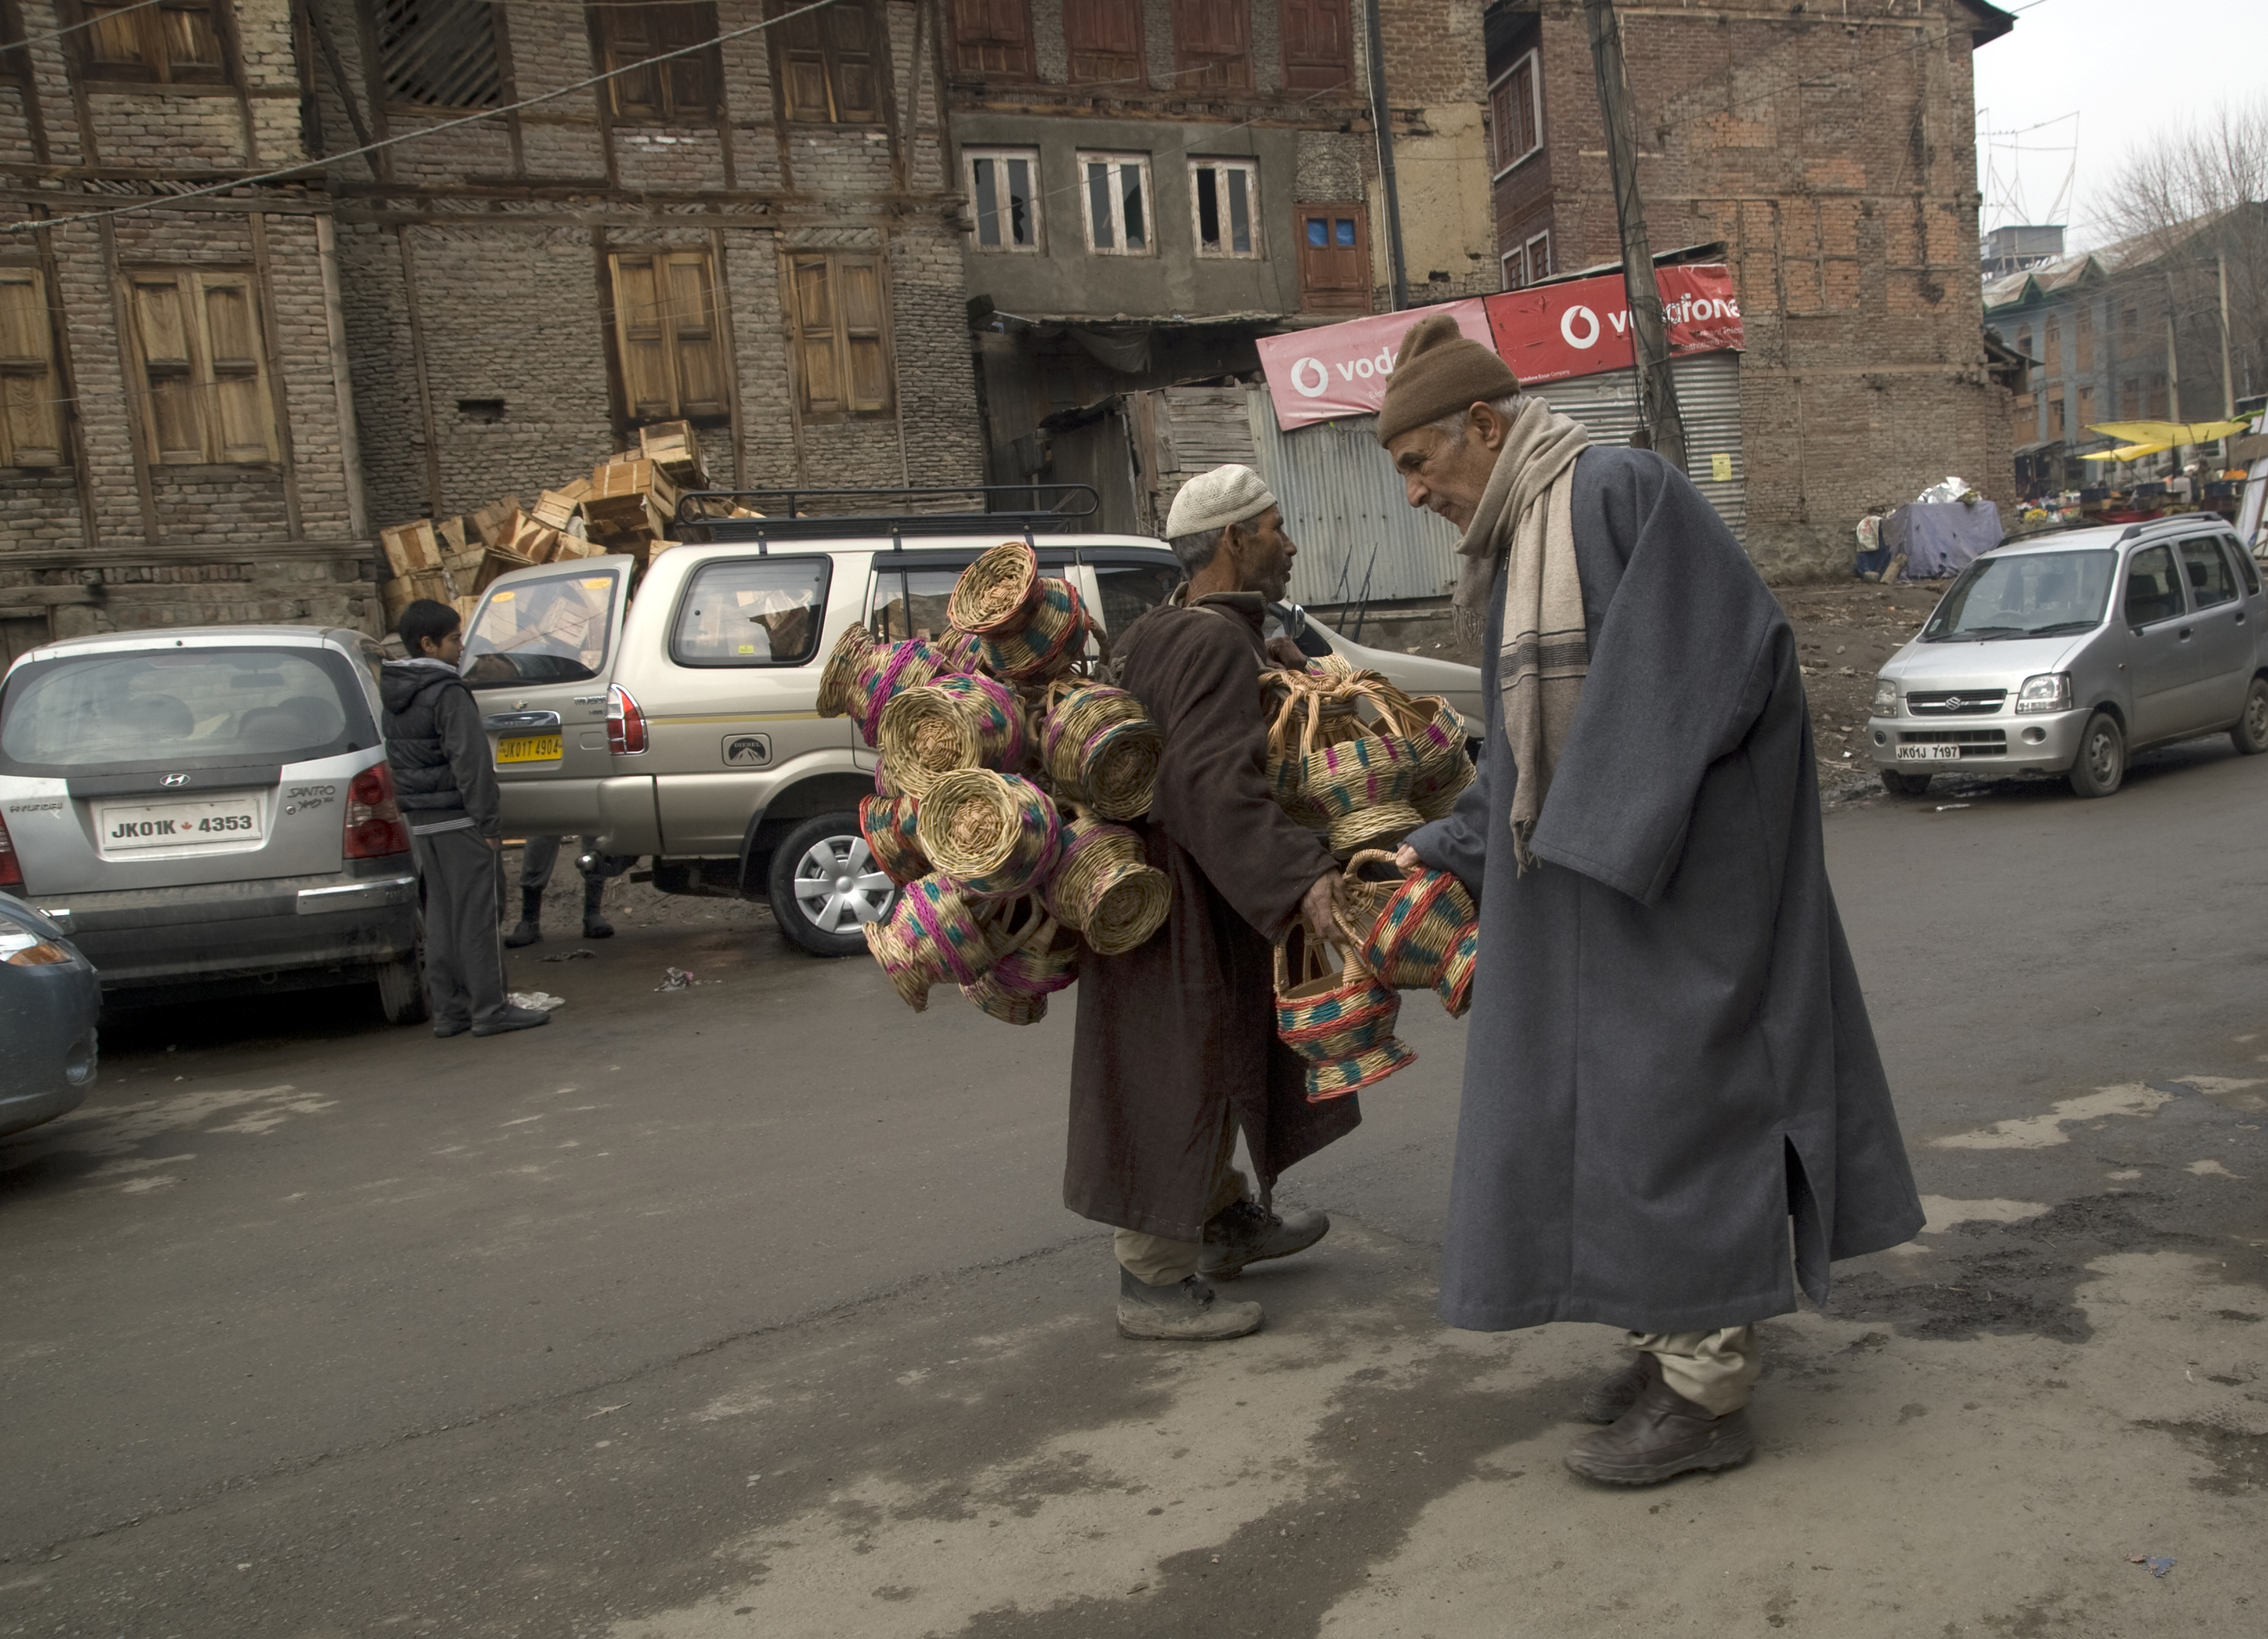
(375, 827)
(625, 723)
(11, 869)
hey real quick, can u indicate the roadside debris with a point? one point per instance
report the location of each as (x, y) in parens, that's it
(543, 999)
(675, 979)
(2159, 1563)
(572, 956)
(1949, 807)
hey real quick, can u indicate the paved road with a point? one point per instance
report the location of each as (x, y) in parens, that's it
(754, 1310)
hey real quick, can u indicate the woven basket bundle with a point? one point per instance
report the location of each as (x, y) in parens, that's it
(965, 721)
(932, 937)
(1105, 886)
(1361, 786)
(1100, 748)
(1340, 1025)
(997, 595)
(1044, 646)
(995, 835)
(886, 671)
(1042, 959)
(1411, 943)
(888, 824)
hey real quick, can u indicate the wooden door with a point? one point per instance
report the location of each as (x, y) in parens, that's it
(1333, 258)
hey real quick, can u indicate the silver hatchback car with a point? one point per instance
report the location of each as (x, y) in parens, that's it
(2065, 653)
(208, 812)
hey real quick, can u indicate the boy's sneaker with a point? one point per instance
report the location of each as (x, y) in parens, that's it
(513, 1018)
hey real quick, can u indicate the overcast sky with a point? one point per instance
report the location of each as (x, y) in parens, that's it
(2126, 71)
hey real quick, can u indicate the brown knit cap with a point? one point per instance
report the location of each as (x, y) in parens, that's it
(1439, 371)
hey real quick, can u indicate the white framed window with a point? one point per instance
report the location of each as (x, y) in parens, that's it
(1224, 202)
(1004, 189)
(1115, 192)
(1516, 113)
(1539, 257)
(1515, 266)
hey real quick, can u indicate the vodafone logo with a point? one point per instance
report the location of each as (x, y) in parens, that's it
(1586, 319)
(1301, 382)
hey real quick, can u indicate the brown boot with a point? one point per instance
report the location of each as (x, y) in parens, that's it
(1611, 1396)
(1662, 1434)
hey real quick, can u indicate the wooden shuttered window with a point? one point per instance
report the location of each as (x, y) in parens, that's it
(1103, 40)
(204, 376)
(1316, 57)
(439, 54)
(993, 37)
(1212, 45)
(838, 331)
(683, 88)
(172, 42)
(666, 332)
(827, 65)
(30, 387)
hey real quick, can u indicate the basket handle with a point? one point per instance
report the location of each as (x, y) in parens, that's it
(1365, 857)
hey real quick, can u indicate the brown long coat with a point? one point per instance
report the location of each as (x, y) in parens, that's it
(1177, 1038)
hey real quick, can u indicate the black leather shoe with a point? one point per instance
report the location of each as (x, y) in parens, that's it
(597, 927)
(1244, 1231)
(1661, 1436)
(446, 1027)
(513, 1018)
(525, 932)
(1609, 1397)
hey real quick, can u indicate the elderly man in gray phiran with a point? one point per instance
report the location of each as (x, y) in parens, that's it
(1670, 1063)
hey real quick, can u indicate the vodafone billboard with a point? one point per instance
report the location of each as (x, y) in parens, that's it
(1545, 334)
(1342, 369)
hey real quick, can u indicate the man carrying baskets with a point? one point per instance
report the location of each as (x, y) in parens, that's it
(1176, 1050)
(1670, 1058)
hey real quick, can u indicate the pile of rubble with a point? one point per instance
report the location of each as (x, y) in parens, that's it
(628, 505)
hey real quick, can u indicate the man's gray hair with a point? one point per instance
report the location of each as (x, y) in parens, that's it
(1455, 423)
(1196, 550)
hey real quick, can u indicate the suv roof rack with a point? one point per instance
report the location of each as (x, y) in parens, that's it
(904, 511)
(2172, 520)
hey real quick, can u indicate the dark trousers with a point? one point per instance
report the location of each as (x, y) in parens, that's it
(457, 878)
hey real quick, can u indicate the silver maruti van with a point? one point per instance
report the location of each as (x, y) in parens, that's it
(2067, 652)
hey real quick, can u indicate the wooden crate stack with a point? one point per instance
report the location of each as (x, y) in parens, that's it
(627, 505)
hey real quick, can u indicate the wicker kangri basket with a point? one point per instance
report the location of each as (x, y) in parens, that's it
(887, 823)
(1042, 959)
(958, 722)
(932, 937)
(995, 835)
(1340, 1025)
(1100, 748)
(998, 594)
(1411, 942)
(1105, 886)
(1047, 644)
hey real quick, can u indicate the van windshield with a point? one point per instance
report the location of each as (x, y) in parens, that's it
(550, 629)
(2025, 594)
(181, 708)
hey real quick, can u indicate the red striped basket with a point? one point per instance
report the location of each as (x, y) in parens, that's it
(1341, 1025)
(888, 824)
(1455, 985)
(1415, 938)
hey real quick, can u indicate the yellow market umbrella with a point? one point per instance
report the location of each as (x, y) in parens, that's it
(2126, 452)
(2164, 435)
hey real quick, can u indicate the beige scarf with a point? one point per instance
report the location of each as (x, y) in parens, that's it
(1523, 540)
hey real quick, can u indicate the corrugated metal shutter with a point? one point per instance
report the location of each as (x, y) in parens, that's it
(1708, 397)
(1358, 534)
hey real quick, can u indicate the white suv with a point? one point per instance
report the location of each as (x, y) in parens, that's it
(683, 724)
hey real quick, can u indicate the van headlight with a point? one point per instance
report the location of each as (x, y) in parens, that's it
(2049, 690)
(1886, 698)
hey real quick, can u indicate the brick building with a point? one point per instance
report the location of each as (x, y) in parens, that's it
(176, 439)
(758, 235)
(1153, 184)
(1833, 152)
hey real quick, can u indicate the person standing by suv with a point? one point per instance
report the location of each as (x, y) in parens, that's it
(447, 792)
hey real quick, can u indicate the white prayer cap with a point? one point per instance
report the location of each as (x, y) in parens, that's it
(1214, 500)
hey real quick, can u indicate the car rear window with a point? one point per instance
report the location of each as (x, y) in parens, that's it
(552, 628)
(181, 708)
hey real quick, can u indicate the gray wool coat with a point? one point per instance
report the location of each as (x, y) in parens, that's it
(1670, 1058)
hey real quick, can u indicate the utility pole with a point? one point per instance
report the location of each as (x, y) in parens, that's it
(1382, 120)
(2227, 374)
(1656, 389)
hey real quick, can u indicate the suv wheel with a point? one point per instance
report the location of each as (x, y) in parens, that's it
(2101, 767)
(825, 885)
(2251, 731)
(1901, 784)
(402, 984)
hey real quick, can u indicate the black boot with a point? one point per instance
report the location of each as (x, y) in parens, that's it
(594, 925)
(531, 919)
(1244, 1231)
(1608, 1399)
(1662, 1434)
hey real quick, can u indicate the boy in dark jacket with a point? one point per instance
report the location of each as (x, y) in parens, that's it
(447, 792)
